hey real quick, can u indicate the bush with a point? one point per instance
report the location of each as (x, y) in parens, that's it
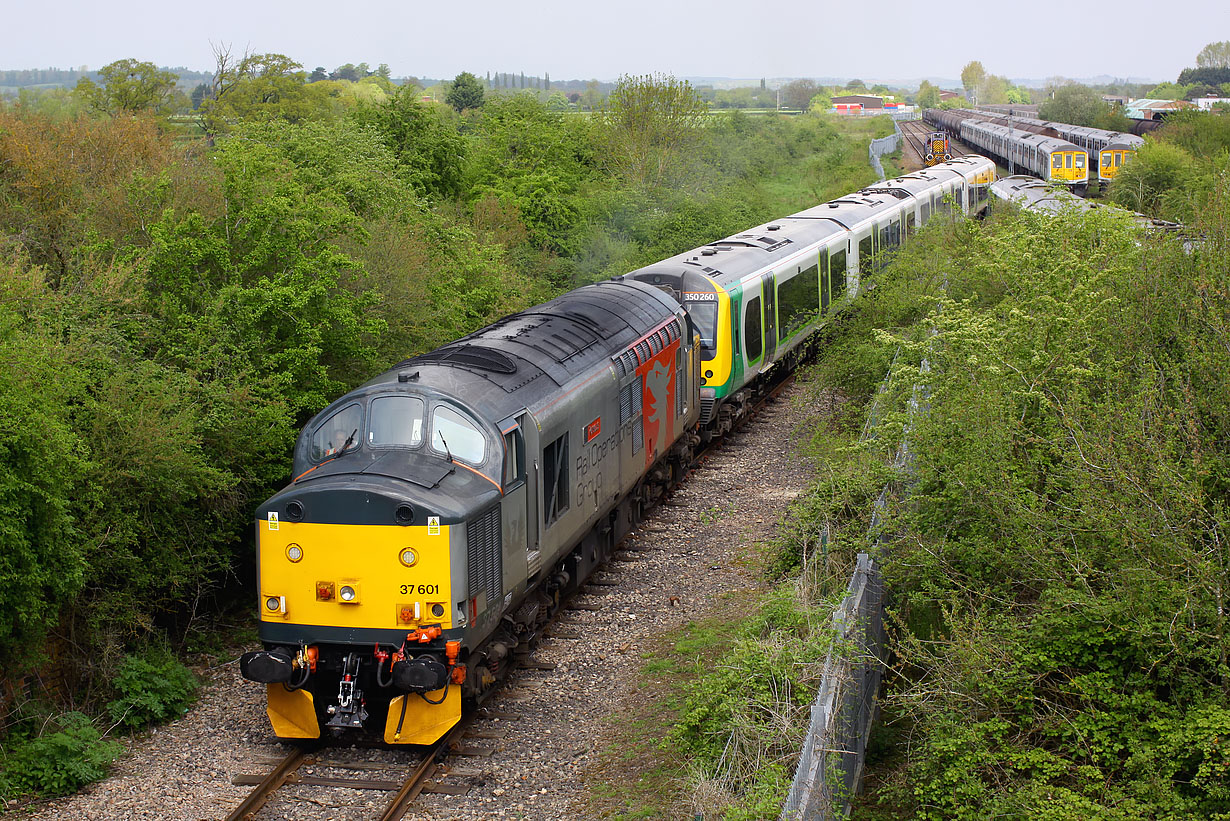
(152, 689)
(61, 762)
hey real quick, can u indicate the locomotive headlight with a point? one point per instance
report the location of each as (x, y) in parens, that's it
(408, 557)
(294, 552)
(349, 594)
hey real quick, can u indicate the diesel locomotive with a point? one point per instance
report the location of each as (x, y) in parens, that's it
(440, 511)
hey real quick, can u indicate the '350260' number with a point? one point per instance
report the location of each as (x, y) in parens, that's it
(421, 589)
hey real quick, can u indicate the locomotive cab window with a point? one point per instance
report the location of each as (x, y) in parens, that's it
(1106, 159)
(1057, 161)
(1069, 160)
(454, 435)
(396, 421)
(338, 434)
(1080, 160)
(514, 457)
(705, 315)
(1118, 158)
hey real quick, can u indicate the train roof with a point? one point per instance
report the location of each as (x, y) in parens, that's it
(731, 259)
(1039, 141)
(1035, 195)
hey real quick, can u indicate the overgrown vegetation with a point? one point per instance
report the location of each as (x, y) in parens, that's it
(1058, 570)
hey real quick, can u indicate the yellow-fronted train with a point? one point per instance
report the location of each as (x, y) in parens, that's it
(441, 511)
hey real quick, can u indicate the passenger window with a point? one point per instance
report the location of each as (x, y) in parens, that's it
(798, 302)
(753, 331)
(396, 421)
(909, 223)
(338, 434)
(864, 253)
(555, 480)
(454, 435)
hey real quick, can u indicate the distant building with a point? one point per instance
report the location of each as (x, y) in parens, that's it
(864, 101)
(1205, 103)
(1114, 99)
(1154, 109)
(948, 95)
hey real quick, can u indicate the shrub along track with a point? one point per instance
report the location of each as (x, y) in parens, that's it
(548, 727)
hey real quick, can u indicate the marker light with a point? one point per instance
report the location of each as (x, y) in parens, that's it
(294, 552)
(437, 610)
(346, 594)
(408, 557)
(273, 603)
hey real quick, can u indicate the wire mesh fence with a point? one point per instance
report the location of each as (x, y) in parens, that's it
(831, 760)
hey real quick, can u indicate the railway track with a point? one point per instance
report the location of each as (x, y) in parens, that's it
(914, 152)
(318, 765)
(311, 767)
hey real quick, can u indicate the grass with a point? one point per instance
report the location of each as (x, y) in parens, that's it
(639, 773)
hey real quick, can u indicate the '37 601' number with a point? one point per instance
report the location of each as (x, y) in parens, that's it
(421, 589)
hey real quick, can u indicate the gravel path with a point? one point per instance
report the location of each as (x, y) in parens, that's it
(668, 574)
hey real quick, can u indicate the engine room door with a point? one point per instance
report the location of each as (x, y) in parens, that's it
(520, 519)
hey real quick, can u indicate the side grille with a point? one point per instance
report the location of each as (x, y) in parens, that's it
(485, 556)
(706, 409)
(638, 424)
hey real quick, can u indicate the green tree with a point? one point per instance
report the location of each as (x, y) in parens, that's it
(820, 103)
(650, 122)
(1169, 91)
(429, 150)
(928, 95)
(798, 93)
(465, 92)
(260, 87)
(972, 77)
(130, 87)
(592, 97)
(1214, 55)
(1074, 104)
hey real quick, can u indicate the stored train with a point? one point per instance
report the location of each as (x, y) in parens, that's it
(1053, 159)
(1108, 150)
(1032, 194)
(440, 511)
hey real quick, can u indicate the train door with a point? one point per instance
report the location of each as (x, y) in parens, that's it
(769, 285)
(837, 270)
(519, 508)
(824, 281)
(753, 326)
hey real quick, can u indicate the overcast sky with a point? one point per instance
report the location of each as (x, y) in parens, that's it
(578, 40)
